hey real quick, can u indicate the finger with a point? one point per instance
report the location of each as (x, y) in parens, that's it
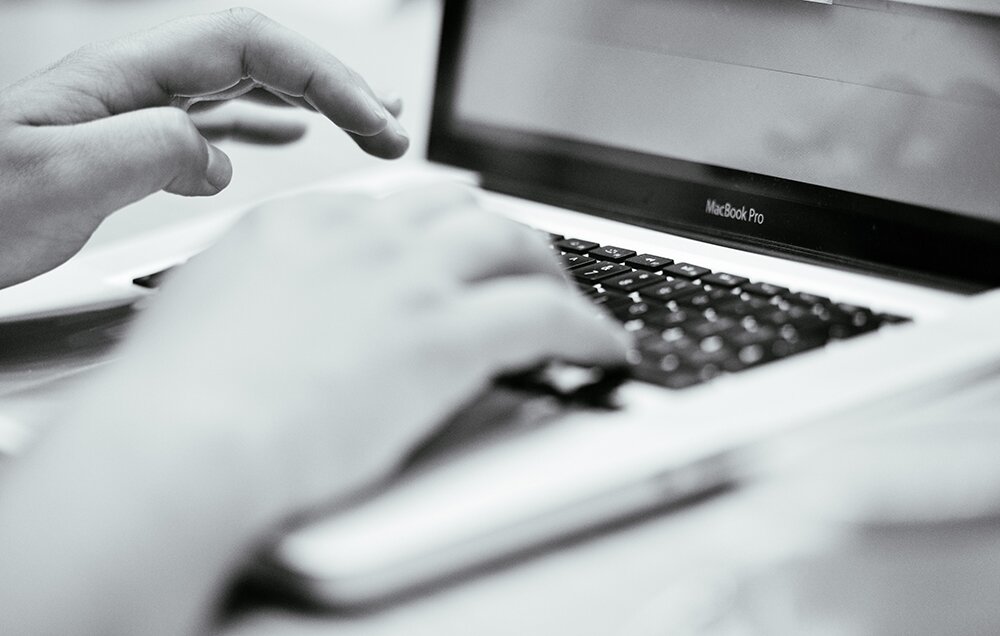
(392, 102)
(480, 245)
(131, 156)
(414, 207)
(243, 122)
(219, 50)
(256, 95)
(260, 95)
(390, 144)
(205, 55)
(511, 324)
(311, 213)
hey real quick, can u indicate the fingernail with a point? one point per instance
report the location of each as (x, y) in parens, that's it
(220, 169)
(377, 109)
(398, 128)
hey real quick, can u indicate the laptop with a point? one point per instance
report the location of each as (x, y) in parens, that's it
(795, 206)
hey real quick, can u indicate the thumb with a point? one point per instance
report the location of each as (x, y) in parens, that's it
(117, 160)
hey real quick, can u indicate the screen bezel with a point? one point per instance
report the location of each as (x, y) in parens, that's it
(804, 221)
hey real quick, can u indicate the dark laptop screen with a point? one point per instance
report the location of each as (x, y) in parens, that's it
(863, 133)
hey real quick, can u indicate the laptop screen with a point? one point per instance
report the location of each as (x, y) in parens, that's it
(864, 133)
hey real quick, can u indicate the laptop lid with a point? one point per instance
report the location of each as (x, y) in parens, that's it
(862, 134)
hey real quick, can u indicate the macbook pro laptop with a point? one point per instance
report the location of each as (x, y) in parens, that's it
(794, 206)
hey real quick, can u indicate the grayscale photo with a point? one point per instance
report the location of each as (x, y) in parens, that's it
(500, 317)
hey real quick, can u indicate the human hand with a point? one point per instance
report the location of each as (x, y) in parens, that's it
(360, 325)
(298, 361)
(892, 531)
(110, 124)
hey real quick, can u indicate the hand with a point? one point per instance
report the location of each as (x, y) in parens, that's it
(298, 361)
(108, 125)
(361, 324)
(892, 530)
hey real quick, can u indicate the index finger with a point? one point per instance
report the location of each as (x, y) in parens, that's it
(206, 54)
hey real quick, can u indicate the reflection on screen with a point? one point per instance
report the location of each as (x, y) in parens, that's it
(880, 98)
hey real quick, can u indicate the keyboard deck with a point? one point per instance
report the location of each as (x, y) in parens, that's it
(692, 324)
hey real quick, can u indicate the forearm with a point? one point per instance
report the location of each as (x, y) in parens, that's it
(110, 527)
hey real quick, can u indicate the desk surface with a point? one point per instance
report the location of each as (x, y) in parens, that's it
(590, 587)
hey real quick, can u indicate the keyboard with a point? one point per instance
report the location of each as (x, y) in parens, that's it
(692, 325)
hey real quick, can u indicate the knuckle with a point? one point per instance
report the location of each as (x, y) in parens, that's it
(245, 19)
(521, 239)
(553, 306)
(513, 238)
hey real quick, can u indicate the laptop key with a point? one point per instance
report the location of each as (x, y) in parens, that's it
(577, 246)
(572, 261)
(704, 299)
(632, 281)
(721, 279)
(764, 289)
(612, 253)
(611, 302)
(599, 271)
(667, 371)
(686, 270)
(808, 300)
(629, 310)
(649, 262)
(670, 290)
(849, 320)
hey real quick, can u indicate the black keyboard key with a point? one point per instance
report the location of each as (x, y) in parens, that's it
(791, 341)
(749, 356)
(572, 261)
(705, 328)
(669, 319)
(599, 271)
(848, 321)
(721, 279)
(807, 300)
(612, 253)
(576, 246)
(764, 289)
(705, 299)
(709, 354)
(659, 343)
(610, 302)
(741, 338)
(667, 371)
(649, 262)
(686, 270)
(632, 281)
(629, 310)
(740, 306)
(554, 237)
(667, 291)
(892, 319)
